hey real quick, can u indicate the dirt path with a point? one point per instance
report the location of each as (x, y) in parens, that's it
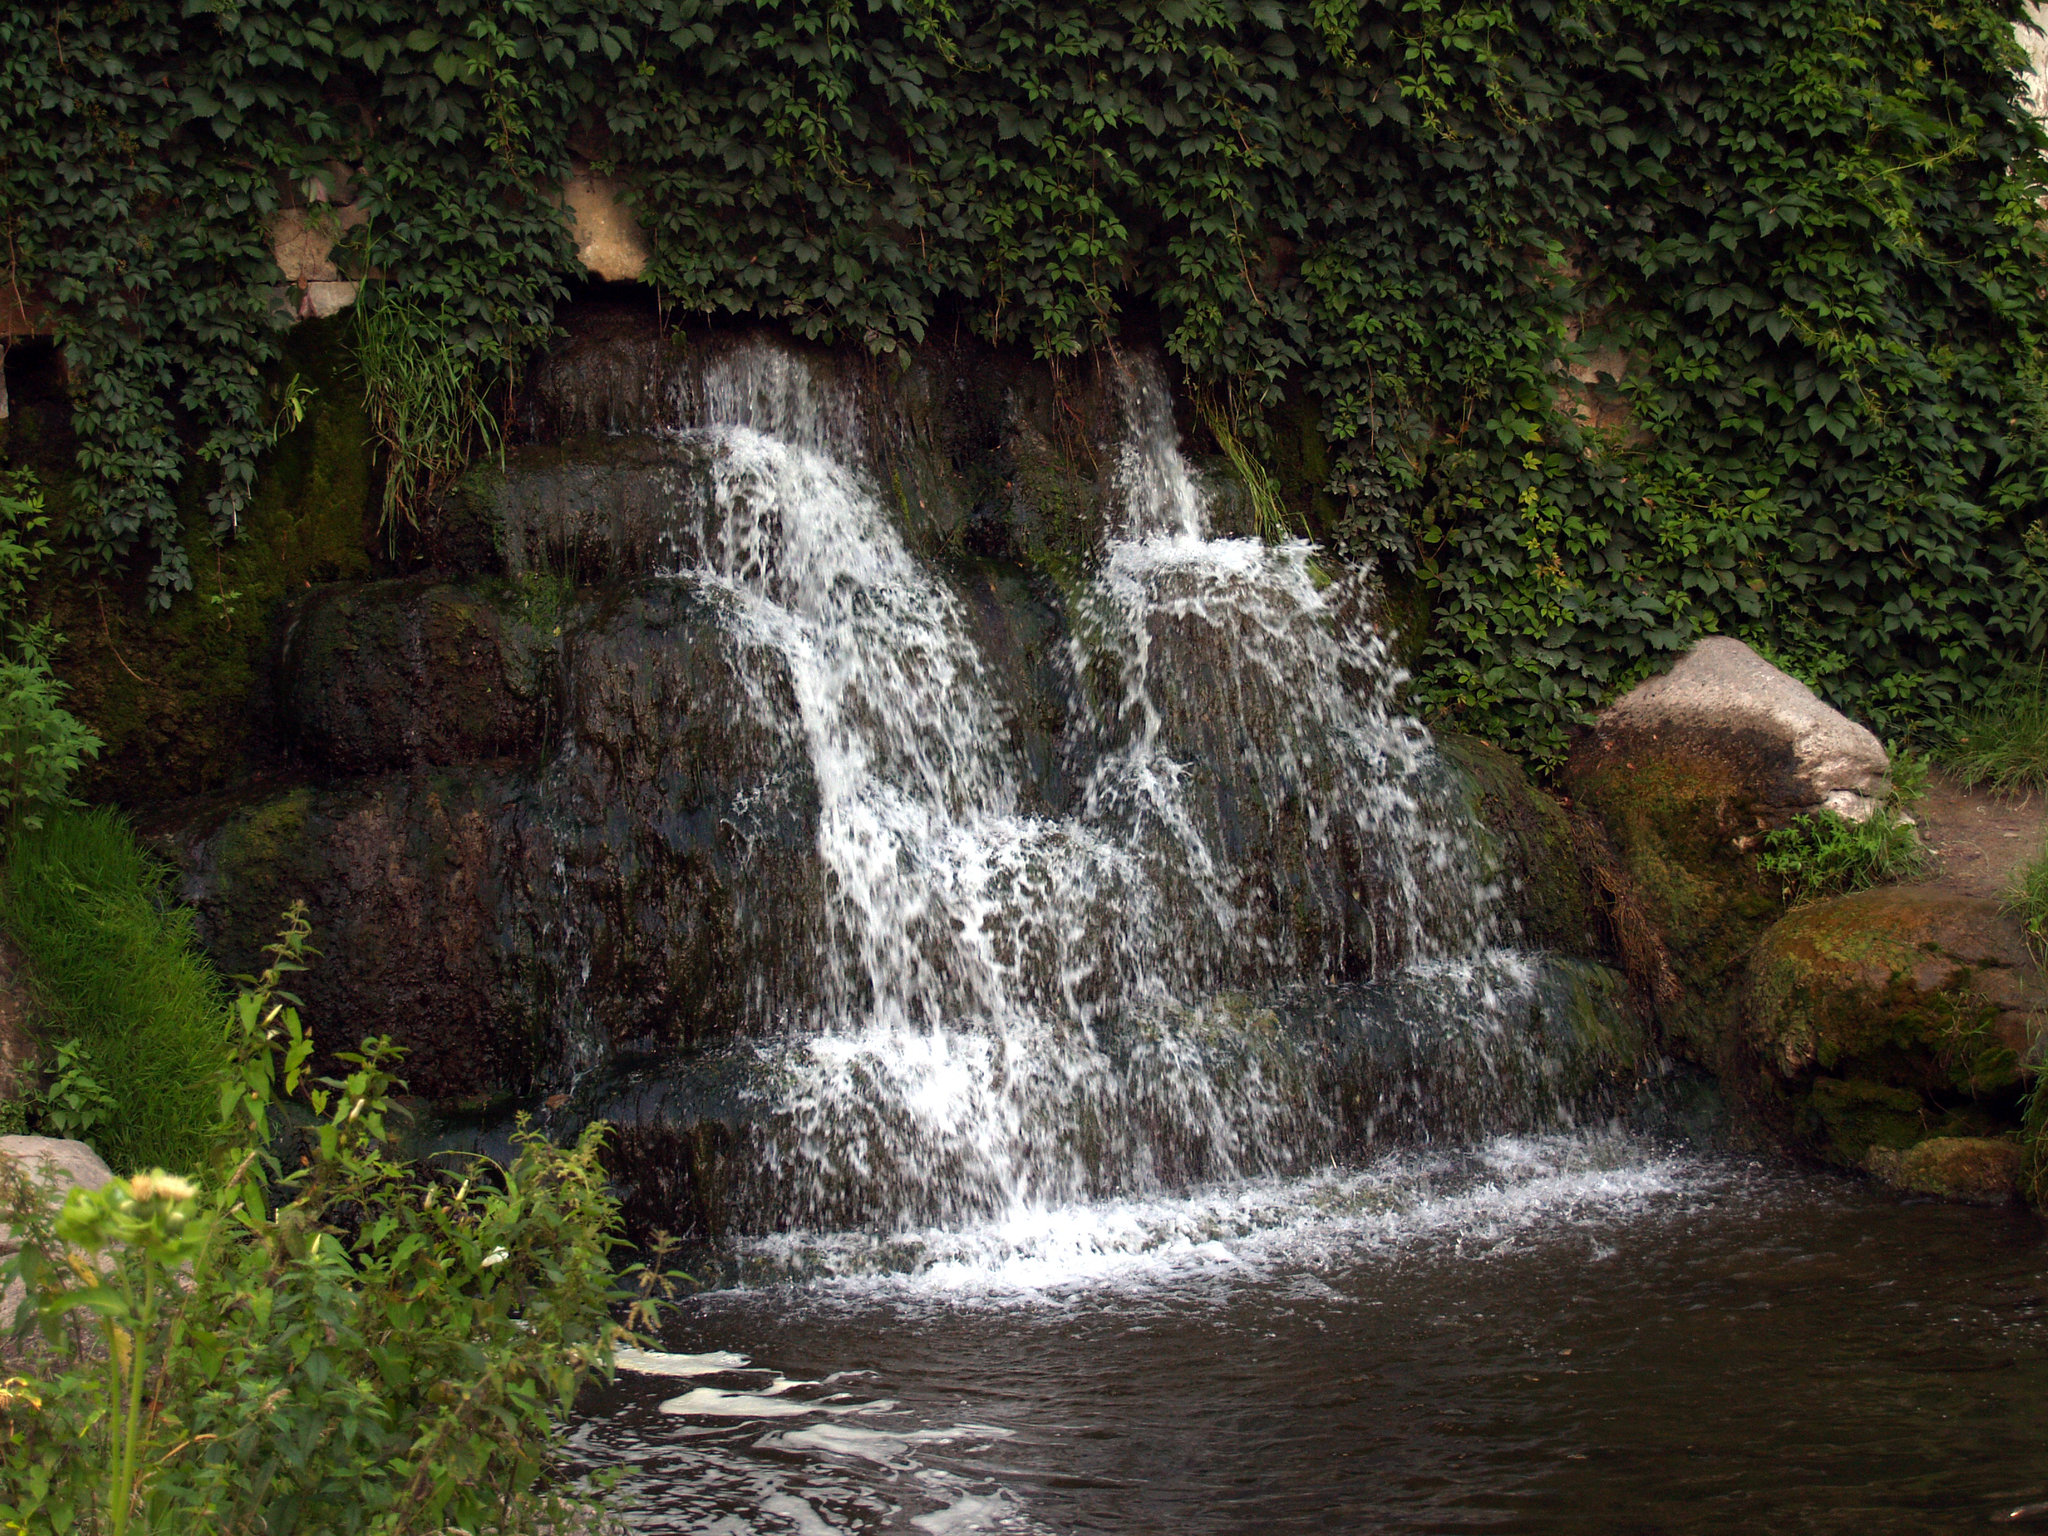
(1979, 841)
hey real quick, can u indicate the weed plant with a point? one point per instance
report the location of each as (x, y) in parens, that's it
(1824, 854)
(116, 970)
(425, 392)
(2027, 902)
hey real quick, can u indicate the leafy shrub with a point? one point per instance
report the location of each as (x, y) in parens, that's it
(116, 968)
(74, 1105)
(2003, 745)
(358, 1344)
(1828, 855)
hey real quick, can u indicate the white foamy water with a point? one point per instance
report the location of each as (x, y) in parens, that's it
(1023, 1008)
(1507, 1190)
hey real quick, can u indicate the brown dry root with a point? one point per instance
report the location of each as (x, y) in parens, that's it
(1635, 939)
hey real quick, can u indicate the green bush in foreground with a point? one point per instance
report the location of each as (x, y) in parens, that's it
(116, 969)
(356, 1345)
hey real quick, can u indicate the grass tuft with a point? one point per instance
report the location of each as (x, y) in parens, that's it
(114, 965)
(2003, 746)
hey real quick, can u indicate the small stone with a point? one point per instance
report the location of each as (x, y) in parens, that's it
(1973, 1170)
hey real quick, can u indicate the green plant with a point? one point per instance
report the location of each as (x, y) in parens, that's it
(116, 970)
(425, 389)
(42, 744)
(2027, 900)
(1827, 855)
(73, 1104)
(356, 1344)
(1270, 520)
(2002, 746)
(1911, 771)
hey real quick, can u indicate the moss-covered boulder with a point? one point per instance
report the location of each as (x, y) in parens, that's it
(1888, 1016)
(1974, 1170)
(417, 672)
(1686, 775)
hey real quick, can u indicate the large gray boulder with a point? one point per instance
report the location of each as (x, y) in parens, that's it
(56, 1167)
(1796, 753)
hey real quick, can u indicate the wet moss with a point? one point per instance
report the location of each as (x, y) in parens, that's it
(1596, 1037)
(1678, 825)
(1878, 1019)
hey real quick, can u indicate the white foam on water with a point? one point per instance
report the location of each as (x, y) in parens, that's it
(648, 1362)
(770, 1402)
(1508, 1190)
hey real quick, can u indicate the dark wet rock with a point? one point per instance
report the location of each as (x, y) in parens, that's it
(675, 852)
(1021, 631)
(1973, 1170)
(403, 878)
(413, 673)
(654, 881)
(594, 510)
(1882, 1017)
(1526, 839)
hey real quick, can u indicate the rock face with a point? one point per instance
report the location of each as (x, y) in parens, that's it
(1973, 1170)
(1529, 837)
(1887, 1016)
(58, 1167)
(409, 674)
(544, 802)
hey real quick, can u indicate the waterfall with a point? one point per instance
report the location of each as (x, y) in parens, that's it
(1014, 1007)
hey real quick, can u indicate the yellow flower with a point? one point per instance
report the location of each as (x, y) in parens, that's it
(158, 1185)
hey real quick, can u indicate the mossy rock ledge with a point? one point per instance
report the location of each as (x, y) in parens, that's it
(1886, 1018)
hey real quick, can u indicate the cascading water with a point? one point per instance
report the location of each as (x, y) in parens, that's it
(1008, 1007)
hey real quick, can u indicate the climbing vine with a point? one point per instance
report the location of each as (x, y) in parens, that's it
(1600, 325)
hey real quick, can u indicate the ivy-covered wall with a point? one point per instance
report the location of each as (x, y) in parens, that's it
(1602, 325)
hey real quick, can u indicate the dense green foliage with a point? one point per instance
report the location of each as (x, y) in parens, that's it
(1827, 855)
(116, 969)
(358, 1344)
(1803, 233)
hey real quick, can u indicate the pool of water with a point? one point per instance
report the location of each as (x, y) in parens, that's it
(1584, 1333)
